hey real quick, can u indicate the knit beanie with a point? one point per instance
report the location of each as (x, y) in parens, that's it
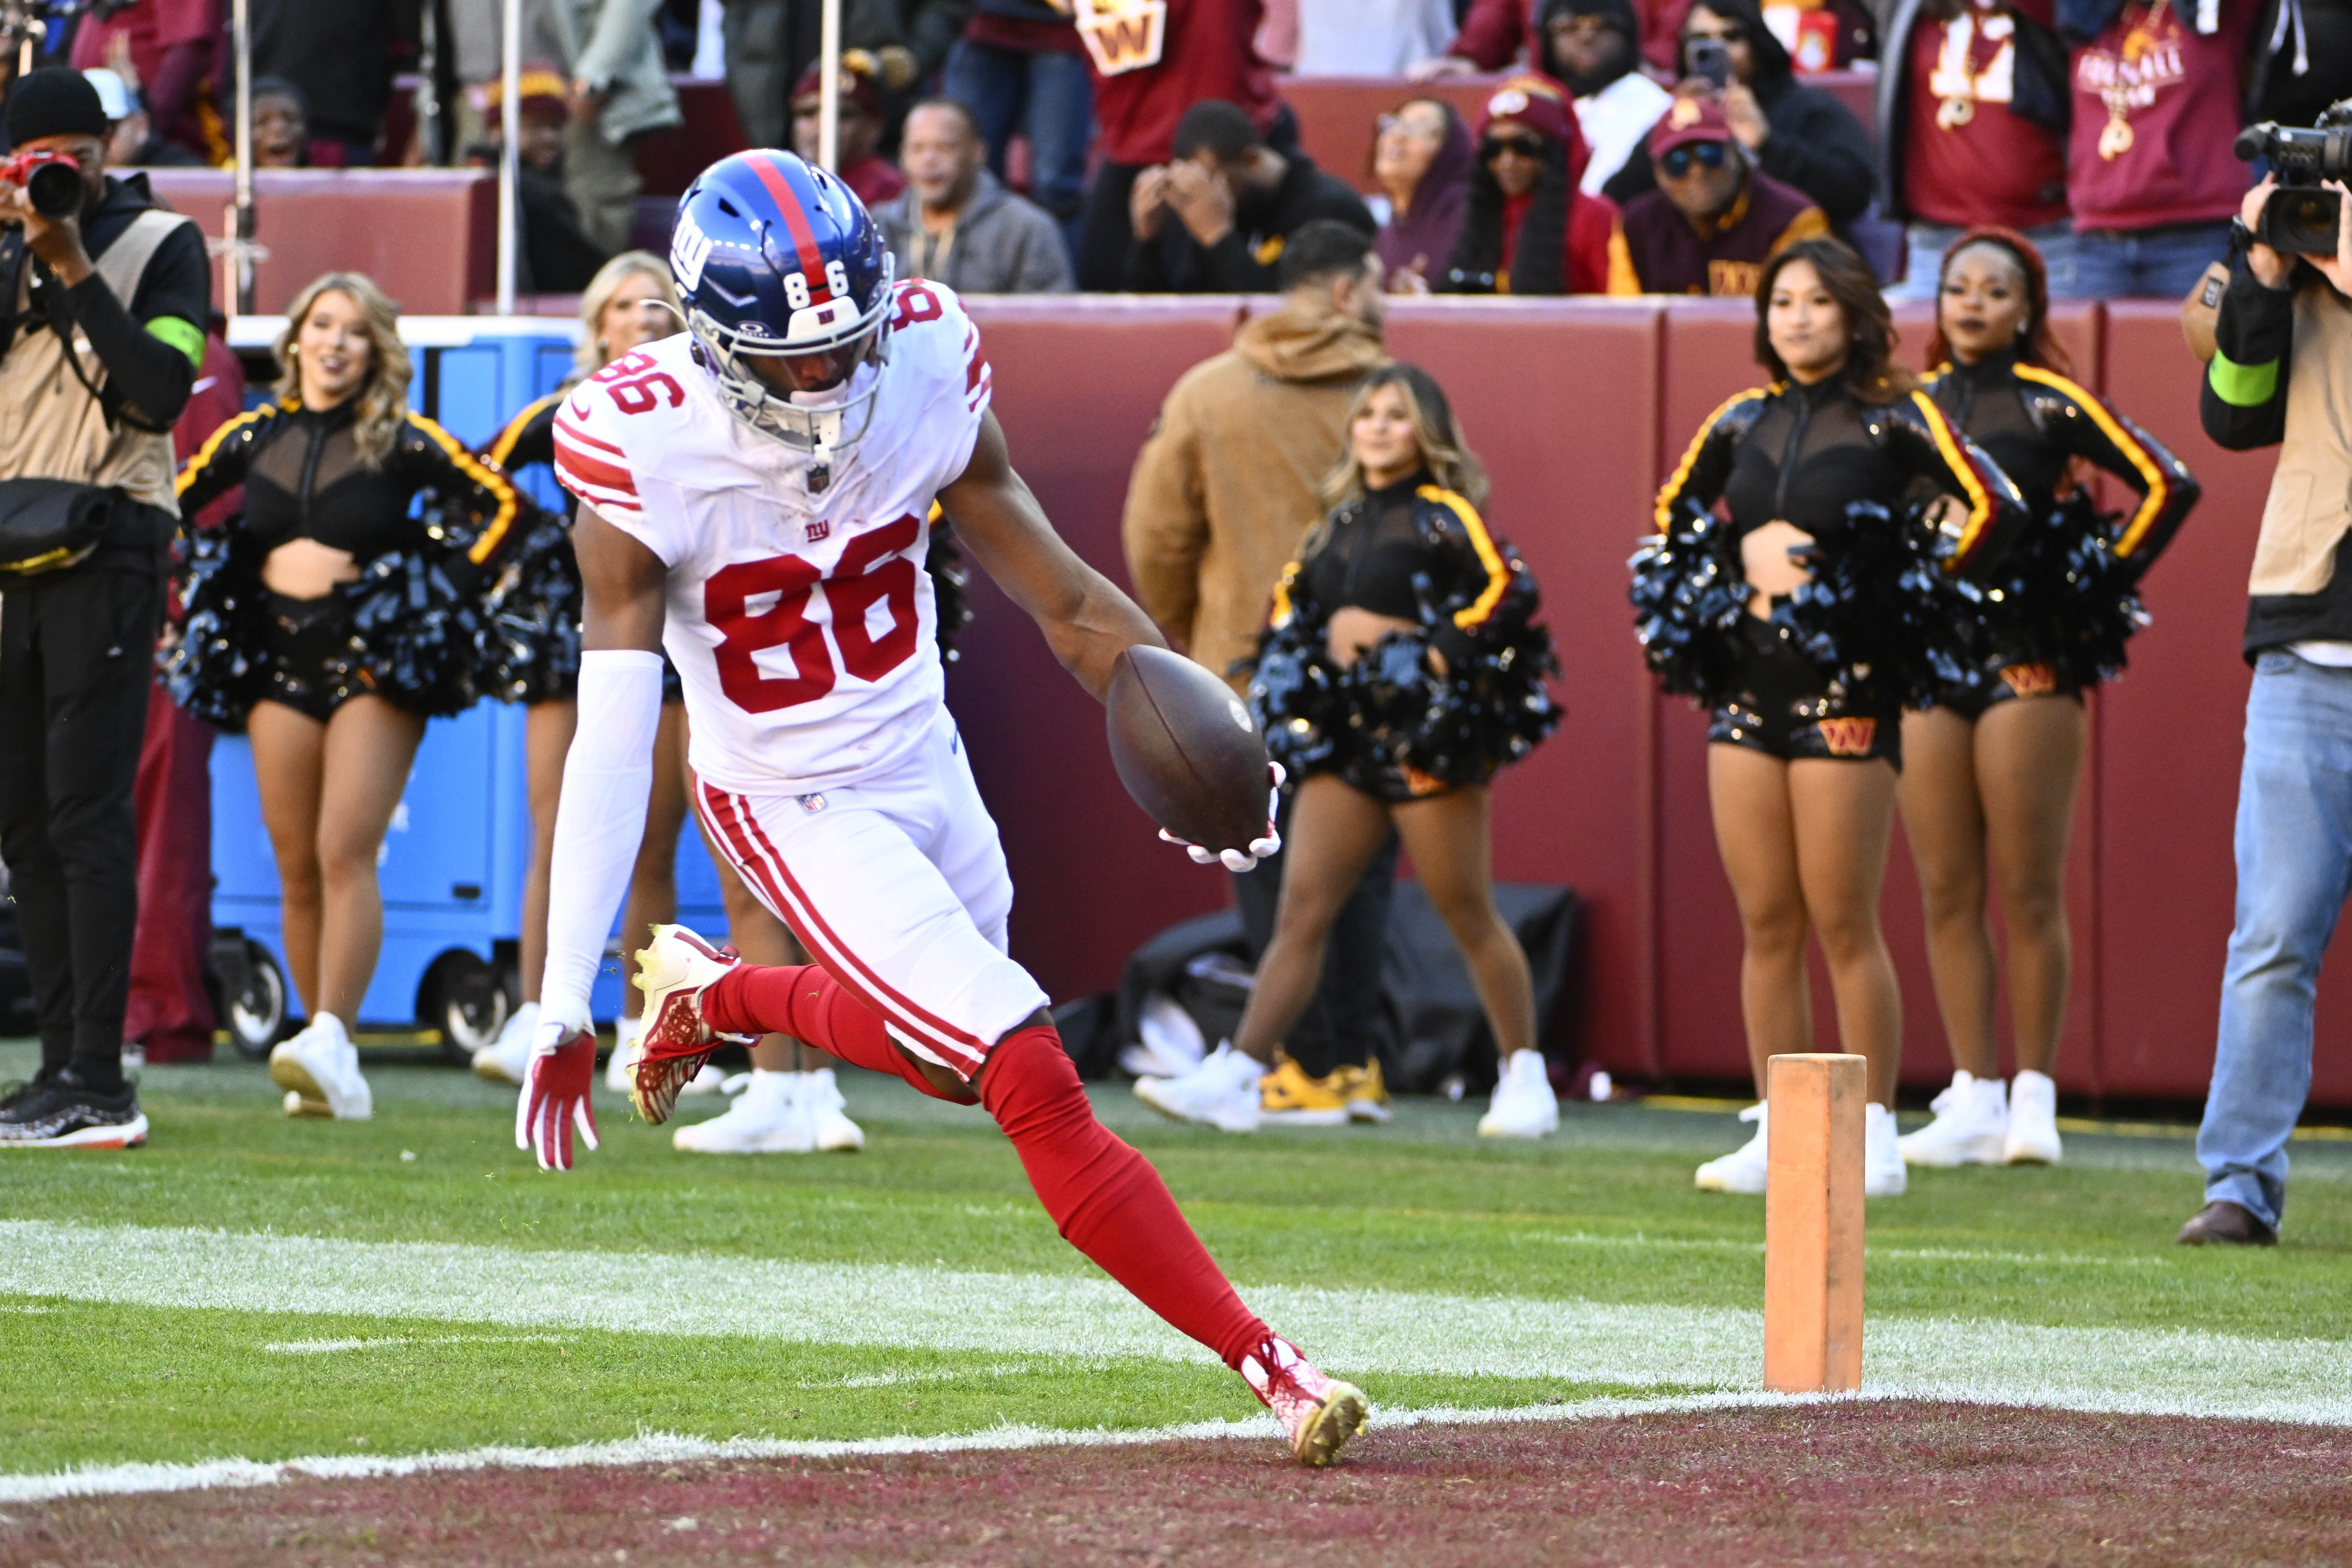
(53, 101)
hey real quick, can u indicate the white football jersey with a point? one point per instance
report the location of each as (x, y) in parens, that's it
(802, 623)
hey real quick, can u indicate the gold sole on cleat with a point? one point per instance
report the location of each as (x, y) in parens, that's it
(1343, 1415)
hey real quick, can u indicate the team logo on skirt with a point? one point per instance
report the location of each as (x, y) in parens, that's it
(1848, 737)
(2031, 679)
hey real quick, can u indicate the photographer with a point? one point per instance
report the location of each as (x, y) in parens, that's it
(99, 350)
(2282, 374)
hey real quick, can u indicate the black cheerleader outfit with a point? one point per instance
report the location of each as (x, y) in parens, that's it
(406, 630)
(2055, 613)
(531, 606)
(1390, 724)
(1829, 674)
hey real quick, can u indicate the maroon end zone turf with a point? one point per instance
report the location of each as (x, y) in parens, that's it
(1862, 1483)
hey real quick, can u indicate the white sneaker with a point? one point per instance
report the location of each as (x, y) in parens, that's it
(624, 1059)
(1971, 1125)
(322, 1064)
(1883, 1173)
(1524, 1105)
(1222, 1092)
(1742, 1169)
(508, 1057)
(2032, 1122)
(821, 1097)
(767, 1118)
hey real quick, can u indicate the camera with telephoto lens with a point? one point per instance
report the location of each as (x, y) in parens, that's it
(2300, 218)
(51, 180)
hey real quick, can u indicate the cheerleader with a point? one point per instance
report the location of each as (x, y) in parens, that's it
(1805, 622)
(791, 1103)
(328, 623)
(1399, 673)
(1993, 764)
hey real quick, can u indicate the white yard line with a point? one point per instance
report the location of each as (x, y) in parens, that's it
(664, 1448)
(1650, 1345)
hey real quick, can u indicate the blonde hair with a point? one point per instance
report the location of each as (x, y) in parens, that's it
(590, 356)
(1442, 451)
(383, 398)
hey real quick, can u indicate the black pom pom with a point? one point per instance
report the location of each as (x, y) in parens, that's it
(530, 618)
(1882, 620)
(2063, 596)
(1687, 596)
(214, 661)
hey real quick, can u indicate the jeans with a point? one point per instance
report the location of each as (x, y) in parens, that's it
(1929, 240)
(2146, 263)
(1047, 95)
(1348, 1022)
(2295, 870)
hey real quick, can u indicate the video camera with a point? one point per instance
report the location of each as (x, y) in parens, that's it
(51, 180)
(2300, 218)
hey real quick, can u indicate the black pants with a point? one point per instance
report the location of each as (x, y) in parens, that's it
(77, 657)
(1347, 1022)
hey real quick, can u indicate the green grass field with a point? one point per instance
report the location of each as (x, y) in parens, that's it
(254, 1287)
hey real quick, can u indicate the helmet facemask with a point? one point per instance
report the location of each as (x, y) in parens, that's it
(824, 424)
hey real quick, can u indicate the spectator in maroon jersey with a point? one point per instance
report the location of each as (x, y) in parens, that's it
(1715, 218)
(1153, 60)
(2149, 169)
(1421, 161)
(169, 45)
(170, 1017)
(1972, 103)
(1528, 230)
(860, 162)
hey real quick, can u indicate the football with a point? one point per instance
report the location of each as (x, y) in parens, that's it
(1186, 750)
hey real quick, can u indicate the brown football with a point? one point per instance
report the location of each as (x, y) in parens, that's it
(1186, 750)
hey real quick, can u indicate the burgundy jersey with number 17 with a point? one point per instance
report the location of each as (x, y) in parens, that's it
(802, 625)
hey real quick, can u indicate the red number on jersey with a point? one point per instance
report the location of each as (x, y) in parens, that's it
(916, 304)
(853, 591)
(627, 365)
(637, 397)
(726, 599)
(855, 587)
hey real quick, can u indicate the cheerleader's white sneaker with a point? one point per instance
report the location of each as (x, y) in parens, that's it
(1742, 1169)
(1883, 1173)
(2032, 1122)
(322, 1065)
(1971, 1125)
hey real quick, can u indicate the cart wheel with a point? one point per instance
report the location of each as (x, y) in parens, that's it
(465, 1003)
(256, 1007)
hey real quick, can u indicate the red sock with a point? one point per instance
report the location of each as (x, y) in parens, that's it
(802, 1000)
(1106, 1199)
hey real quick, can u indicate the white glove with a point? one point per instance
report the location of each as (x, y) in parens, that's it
(1236, 860)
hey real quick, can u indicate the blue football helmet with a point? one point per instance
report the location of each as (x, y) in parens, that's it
(775, 257)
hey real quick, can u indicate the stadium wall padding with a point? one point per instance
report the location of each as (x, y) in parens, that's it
(1579, 408)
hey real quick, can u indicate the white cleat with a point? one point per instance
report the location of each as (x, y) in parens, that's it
(322, 1064)
(1524, 1105)
(1742, 1169)
(674, 1044)
(1222, 1092)
(1317, 1413)
(1883, 1172)
(770, 1116)
(508, 1057)
(2032, 1122)
(821, 1097)
(1971, 1125)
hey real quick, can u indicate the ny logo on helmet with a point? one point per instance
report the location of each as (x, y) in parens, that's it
(690, 249)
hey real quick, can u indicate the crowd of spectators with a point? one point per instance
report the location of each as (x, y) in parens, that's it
(1153, 139)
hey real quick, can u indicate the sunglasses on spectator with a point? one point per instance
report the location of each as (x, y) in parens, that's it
(1528, 147)
(1677, 163)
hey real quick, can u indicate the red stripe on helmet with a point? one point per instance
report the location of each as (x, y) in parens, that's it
(796, 221)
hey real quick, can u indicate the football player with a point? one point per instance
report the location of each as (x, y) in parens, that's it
(754, 495)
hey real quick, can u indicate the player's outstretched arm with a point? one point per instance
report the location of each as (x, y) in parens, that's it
(1087, 622)
(598, 824)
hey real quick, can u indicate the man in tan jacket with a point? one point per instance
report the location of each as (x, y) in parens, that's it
(1223, 491)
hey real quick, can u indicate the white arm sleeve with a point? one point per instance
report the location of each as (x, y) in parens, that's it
(601, 820)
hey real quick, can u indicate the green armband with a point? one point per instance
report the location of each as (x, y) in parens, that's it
(184, 336)
(2243, 386)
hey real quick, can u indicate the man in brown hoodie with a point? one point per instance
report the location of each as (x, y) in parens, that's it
(1222, 492)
